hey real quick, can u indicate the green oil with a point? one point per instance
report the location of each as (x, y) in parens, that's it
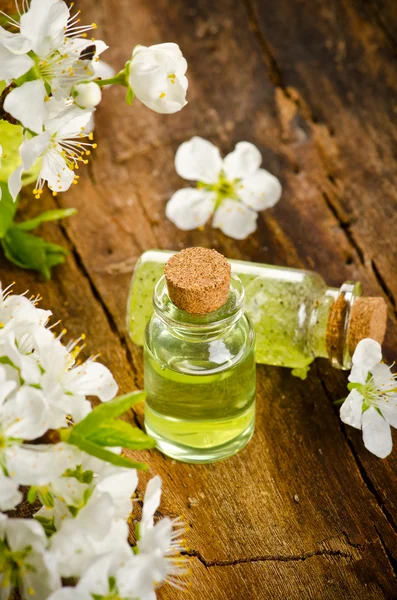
(200, 415)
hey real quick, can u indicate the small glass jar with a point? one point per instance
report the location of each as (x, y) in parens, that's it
(200, 378)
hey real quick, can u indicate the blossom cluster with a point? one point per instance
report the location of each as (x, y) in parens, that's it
(53, 75)
(81, 491)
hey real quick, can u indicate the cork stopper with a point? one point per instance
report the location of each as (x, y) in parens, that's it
(198, 280)
(367, 319)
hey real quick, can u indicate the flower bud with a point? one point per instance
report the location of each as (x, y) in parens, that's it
(87, 94)
(157, 77)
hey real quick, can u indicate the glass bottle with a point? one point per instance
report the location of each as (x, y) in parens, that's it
(296, 316)
(200, 377)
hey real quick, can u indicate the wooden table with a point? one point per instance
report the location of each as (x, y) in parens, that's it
(305, 511)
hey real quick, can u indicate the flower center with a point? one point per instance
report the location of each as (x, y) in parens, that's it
(223, 188)
(13, 565)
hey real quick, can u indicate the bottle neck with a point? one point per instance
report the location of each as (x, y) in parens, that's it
(211, 326)
(330, 322)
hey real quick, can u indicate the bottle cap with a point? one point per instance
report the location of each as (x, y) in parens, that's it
(198, 280)
(368, 320)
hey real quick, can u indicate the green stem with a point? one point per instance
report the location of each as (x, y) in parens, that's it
(120, 78)
(65, 433)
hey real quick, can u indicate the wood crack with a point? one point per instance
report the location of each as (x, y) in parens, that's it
(384, 287)
(111, 321)
(269, 557)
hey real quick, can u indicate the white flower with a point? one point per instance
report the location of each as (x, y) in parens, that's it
(93, 532)
(66, 386)
(71, 491)
(232, 189)
(24, 558)
(158, 556)
(87, 94)
(372, 402)
(50, 41)
(17, 313)
(157, 77)
(95, 583)
(60, 146)
(24, 415)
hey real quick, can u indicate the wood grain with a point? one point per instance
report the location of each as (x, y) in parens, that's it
(304, 511)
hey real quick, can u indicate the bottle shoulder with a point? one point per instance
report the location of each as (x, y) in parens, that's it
(196, 353)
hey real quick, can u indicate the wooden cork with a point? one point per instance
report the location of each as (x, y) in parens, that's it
(198, 280)
(367, 320)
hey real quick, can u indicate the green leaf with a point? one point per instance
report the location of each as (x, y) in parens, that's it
(129, 96)
(49, 215)
(11, 137)
(120, 433)
(108, 410)
(7, 209)
(103, 454)
(32, 494)
(32, 252)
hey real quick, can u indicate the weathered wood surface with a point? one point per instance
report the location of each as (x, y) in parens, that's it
(304, 511)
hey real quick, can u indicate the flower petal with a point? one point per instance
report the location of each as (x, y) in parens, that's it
(389, 410)
(190, 208)
(120, 484)
(103, 70)
(10, 496)
(26, 104)
(244, 161)
(13, 65)
(29, 151)
(25, 532)
(56, 172)
(69, 593)
(376, 433)
(383, 378)
(198, 160)
(39, 465)
(14, 42)
(6, 385)
(351, 410)
(96, 578)
(235, 219)
(26, 415)
(151, 502)
(43, 577)
(15, 182)
(366, 355)
(91, 379)
(44, 24)
(259, 191)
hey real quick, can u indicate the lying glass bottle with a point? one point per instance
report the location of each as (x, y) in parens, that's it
(296, 316)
